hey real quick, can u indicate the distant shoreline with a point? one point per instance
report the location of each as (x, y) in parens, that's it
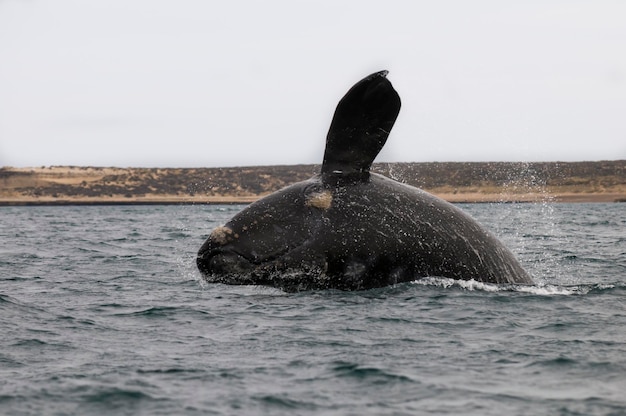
(456, 182)
(457, 199)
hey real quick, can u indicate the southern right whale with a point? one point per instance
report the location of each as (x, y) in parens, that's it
(347, 228)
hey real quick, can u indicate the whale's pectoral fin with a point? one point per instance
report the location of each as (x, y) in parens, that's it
(360, 127)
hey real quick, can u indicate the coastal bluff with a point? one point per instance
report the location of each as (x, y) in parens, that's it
(597, 181)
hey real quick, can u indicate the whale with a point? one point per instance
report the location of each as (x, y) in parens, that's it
(348, 228)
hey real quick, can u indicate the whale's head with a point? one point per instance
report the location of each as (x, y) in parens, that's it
(275, 233)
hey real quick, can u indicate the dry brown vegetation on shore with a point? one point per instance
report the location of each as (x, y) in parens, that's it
(602, 181)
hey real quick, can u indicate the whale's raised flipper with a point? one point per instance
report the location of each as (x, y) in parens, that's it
(360, 127)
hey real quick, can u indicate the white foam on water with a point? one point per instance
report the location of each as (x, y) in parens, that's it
(540, 289)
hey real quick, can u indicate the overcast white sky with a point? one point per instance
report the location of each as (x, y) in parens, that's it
(197, 83)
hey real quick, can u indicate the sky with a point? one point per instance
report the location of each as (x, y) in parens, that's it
(197, 83)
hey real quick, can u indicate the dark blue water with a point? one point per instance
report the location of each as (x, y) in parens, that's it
(103, 312)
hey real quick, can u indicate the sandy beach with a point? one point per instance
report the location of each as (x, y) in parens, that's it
(177, 199)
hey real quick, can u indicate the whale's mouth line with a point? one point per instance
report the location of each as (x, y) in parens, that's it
(260, 260)
(251, 260)
(228, 266)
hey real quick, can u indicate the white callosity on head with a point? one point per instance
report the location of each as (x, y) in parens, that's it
(321, 200)
(223, 235)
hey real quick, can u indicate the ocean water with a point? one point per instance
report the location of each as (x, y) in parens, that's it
(102, 311)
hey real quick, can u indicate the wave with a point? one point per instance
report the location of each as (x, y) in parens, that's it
(373, 374)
